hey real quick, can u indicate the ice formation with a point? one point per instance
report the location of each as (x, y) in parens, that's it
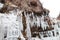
(11, 26)
(27, 24)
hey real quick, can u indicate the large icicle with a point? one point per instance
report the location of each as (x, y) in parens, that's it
(38, 21)
(33, 20)
(44, 24)
(19, 18)
(28, 26)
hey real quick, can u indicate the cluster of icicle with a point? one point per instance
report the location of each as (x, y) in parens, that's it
(11, 24)
(35, 20)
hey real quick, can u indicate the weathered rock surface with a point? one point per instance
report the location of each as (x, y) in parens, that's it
(26, 5)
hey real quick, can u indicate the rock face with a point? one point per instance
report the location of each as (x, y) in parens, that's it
(26, 5)
(30, 19)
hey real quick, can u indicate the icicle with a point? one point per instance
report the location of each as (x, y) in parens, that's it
(28, 27)
(19, 19)
(32, 21)
(38, 22)
(32, 24)
(42, 22)
(46, 25)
